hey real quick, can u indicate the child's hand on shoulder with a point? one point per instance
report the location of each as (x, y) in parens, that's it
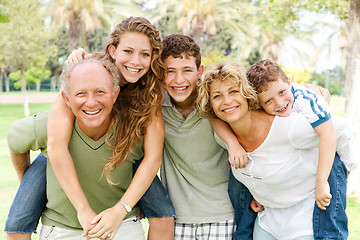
(237, 155)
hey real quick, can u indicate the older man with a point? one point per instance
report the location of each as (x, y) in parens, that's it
(90, 89)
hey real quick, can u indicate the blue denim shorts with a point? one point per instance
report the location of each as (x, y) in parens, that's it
(30, 199)
(155, 203)
(333, 222)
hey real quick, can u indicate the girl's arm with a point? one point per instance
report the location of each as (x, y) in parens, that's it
(327, 148)
(59, 129)
(109, 220)
(237, 154)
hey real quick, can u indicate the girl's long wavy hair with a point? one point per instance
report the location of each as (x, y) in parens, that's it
(136, 101)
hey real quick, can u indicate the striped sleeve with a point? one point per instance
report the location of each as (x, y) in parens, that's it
(313, 106)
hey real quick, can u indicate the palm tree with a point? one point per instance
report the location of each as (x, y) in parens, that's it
(200, 17)
(82, 17)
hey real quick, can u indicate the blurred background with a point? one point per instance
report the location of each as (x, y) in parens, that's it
(315, 41)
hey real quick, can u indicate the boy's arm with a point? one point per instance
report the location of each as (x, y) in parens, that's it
(327, 148)
(21, 163)
(109, 220)
(59, 130)
(320, 91)
(237, 154)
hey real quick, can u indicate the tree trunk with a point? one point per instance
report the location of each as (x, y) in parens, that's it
(75, 33)
(7, 81)
(352, 88)
(1, 80)
(23, 90)
(38, 86)
(197, 30)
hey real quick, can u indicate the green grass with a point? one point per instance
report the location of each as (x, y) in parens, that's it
(9, 182)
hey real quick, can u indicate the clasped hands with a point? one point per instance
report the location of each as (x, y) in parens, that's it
(102, 226)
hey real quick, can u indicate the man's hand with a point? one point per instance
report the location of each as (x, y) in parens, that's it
(255, 206)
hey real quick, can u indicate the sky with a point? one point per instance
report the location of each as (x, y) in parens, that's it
(325, 38)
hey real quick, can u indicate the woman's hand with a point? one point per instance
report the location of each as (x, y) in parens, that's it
(107, 223)
(85, 218)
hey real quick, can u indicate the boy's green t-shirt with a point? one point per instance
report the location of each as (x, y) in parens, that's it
(195, 169)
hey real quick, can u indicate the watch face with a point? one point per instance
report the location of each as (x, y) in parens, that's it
(128, 208)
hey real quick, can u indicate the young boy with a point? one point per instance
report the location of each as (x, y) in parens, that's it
(194, 170)
(277, 96)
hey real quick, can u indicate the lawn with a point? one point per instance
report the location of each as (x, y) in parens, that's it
(9, 182)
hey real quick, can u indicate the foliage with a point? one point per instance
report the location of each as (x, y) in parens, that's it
(216, 56)
(202, 19)
(25, 41)
(82, 17)
(32, 75)
(298, 75)
(3, 17)
(332, 79)
(56, 63)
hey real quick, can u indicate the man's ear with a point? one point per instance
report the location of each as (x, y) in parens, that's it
(116, 94)
(200, 70)
(66, 99)
(111, 50)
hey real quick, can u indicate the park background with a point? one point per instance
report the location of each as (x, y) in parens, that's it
(315, 41)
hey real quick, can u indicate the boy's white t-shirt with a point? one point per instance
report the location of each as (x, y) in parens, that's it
(316, 110)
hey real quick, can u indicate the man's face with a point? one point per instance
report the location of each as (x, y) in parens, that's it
(277, 99)
(181, 77)
(91, 98)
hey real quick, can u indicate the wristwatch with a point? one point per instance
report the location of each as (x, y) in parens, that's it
(127, 207)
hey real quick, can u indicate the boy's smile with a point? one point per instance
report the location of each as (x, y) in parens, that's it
(277, 99)
(181, 79)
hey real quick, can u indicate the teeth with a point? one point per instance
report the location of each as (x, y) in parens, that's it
(92, 113)
(179, 88)
(133, 70)
(229, 109)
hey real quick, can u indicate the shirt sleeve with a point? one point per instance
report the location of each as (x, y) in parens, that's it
(301, 134)
(220, 141)
(314, 107)
(28, 134)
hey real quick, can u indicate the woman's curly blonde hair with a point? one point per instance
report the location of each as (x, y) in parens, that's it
(222, 72)
(136, 101)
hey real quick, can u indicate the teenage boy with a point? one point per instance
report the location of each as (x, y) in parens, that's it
(195, 169)
(88, 86)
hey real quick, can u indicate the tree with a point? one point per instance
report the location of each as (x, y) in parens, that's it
(352, 83)
(82, 17)
(198, 18)
(25, 39)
